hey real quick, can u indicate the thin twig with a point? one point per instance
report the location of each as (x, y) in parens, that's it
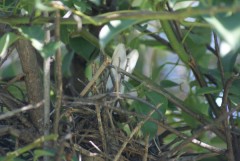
(217, 52)
(128, 96)
(211, 49)
(226, 91)
(155, 36)
(100, 127)
(224, 110)
(13, 104)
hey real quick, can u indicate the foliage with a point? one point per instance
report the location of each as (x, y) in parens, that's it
(181, 101)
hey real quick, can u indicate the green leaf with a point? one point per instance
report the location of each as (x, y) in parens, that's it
(113, 28)
(168, 83)
(39, 153)
(32, 32)
(35, 34)
(234, 93)
(198, 50)
(50, 49)
(42, 7)
(6, 40)
(82, 5)
(15, 159)
(197, 106)
(225, 24)
(66, 64)
(65, 32)
(156, 71)
(17, 91)
(208, 90)
(82, 47)
(227, 27)
(157, 99)
(200, 35)
(11, 70)
(148, 127)
(125, 128)
(229, 60)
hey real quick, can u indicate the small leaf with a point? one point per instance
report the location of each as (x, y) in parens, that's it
(148, 127)
(110, 30)
(125, 128)
(7, 40)
(50, 49)
(197, 106)
(156, 71)
(168, 83)
(234, 99)
(82, 6)
(41, 6)
(208, 90)
(157, 99)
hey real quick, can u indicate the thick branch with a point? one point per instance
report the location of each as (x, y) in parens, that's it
(33, 81)
(125, 14)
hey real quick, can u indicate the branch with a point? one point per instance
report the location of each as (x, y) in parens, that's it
(33, 81)
(58, 70)
(123, 15)
(22, 109)
(35, 144)
(46, 89)
(224, 109)
(217, 52)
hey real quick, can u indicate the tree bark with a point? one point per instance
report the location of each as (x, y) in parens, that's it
(33, 80)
